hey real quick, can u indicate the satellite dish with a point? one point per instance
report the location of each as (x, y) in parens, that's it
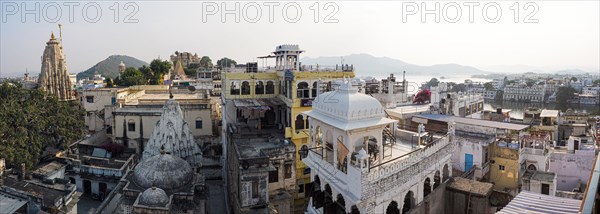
(191, 88)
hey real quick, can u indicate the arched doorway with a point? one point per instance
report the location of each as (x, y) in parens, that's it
(409, 202)
(426, 187)
(299, 122)
(436, 179)
(329, 206)
(531, 167)
(341, 204)
(318, 195)
(354, 210)
(446, 173)
(392, 208)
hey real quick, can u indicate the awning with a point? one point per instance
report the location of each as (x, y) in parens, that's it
(257, 103)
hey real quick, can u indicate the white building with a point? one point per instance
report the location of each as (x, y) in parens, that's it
(358, 164)
(521, 92)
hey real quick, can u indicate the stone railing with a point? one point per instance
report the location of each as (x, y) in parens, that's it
(532, 151)
(402, 163)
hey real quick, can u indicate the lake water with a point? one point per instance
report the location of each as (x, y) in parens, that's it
(518, 107)
(415, 80)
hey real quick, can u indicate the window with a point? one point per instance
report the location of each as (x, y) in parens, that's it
(89, 99)
(270, 87)
(501, 167)
(198, 123)
(288, 170)
(245, 88)
(303, 91)
(131, 125)
(274, 175)
(301, 188)
(254, 189)
(259, 88)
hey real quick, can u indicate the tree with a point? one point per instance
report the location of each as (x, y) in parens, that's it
(109, 82)
(159, 69)
(132, 76)
(206, 62)
(488, 86)
(596, 82)
(432, 83)
(564, 94)
(38, 122)
(191, 70)
(573, 79)
(226, 62)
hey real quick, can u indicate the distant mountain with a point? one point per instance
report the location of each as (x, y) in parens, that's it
(367, 65)
(110, 66)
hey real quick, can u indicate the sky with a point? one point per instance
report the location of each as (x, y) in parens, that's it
(548, 34)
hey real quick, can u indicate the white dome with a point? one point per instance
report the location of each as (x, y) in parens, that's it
(347, 104)
(154, 197)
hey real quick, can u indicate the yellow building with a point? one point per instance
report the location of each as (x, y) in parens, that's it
(504, 170)
(294, 85)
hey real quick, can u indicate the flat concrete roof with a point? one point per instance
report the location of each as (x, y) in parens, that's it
(471, 186)
(470, 121)
(549, 113)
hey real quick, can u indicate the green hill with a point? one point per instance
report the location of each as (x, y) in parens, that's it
(110, 66)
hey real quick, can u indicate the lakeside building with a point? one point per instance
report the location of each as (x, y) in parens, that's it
(521, 92)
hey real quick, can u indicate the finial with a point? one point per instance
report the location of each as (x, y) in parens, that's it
(52, 36)
(170, 93)
(154, 184)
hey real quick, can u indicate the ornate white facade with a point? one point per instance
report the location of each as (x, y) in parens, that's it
(172, 134)
(358, 164)
(54, 78)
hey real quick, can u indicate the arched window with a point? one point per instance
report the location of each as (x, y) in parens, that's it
(392, 208)
(314, 89)
(426, 187)
(354, 210)
(234, 88)
(303, 91)
(270, 89)
(445, 173)
(259, 88)
(299, 122)
(532, 167)
(409, 202)
(436, 179)
(245, 88)
(131, 125)
(198, 123)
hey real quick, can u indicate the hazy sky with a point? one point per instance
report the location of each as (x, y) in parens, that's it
(566, 33)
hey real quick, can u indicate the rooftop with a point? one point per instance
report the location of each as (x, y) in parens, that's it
(470, 186)
(470, 121)
(529, 202)
(549, 113)
(539, 175)
(49, 168)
